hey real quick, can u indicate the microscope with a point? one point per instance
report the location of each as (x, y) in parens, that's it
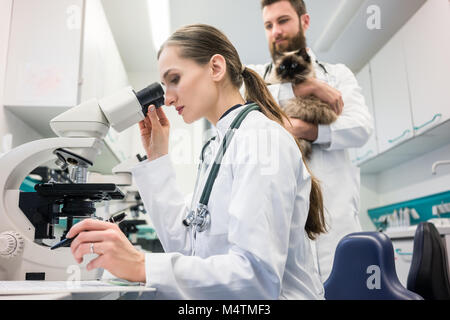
(27, 219)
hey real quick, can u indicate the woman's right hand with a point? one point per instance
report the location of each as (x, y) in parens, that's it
(155, 129)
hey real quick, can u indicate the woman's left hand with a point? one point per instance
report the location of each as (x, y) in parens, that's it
(116, 253)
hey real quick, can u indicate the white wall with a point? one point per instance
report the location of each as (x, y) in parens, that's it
(9, 123)
(414, 179)
(369, 199)
(408, 181)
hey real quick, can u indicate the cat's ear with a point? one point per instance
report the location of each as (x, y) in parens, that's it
(304, 54)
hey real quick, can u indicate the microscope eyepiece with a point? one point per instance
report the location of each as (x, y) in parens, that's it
(153, 94)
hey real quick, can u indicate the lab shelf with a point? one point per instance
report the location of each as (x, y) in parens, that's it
(414, 147)
(423, 206)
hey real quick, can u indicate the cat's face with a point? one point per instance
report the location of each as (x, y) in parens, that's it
(293, 66)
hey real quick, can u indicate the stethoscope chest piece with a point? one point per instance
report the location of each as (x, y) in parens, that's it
(200, 221)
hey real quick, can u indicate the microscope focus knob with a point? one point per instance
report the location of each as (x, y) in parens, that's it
(11, 244)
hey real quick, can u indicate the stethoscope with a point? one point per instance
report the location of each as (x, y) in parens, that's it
(200, 218)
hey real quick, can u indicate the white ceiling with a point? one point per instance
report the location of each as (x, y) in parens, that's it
(241, 21)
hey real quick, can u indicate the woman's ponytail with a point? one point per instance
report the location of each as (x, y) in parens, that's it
(257, 91)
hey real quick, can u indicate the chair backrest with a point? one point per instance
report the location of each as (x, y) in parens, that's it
(364, 269)
(428, 275)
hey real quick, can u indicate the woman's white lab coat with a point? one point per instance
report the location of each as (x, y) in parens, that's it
(330, 162)
(256, 247)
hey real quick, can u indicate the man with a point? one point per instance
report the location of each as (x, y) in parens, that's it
(286, 22)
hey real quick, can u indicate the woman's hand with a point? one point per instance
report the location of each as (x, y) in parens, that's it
(116, 253)
(155, 129)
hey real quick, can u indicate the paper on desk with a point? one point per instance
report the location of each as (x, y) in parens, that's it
(50, 287)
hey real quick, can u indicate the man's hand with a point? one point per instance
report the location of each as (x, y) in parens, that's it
(321, 90)
(302, 129)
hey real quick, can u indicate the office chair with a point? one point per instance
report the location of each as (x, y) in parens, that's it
(364, 269)
(428, 275)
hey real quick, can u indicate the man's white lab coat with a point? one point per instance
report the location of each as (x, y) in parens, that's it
(256, 247)
(330, 162)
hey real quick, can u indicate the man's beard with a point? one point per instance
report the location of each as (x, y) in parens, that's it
(293, 44)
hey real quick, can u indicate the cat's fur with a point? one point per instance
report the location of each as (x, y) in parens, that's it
(295, 67)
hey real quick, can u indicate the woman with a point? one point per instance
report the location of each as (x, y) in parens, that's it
(256, 245)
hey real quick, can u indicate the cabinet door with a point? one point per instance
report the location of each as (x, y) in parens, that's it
(427, 52)
(403, 250)
(5, 22)
(370, 150)
(353, 155)
(44, 53)
(103, 72)
(391, 95)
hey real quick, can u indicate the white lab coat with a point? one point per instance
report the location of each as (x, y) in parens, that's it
(330, 162)
(256, 247)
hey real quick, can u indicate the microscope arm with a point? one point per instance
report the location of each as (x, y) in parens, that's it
(18, 163)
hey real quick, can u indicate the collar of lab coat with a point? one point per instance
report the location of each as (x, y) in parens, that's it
(312, 55)
(314, 59)
(224, 124)
(320, 72)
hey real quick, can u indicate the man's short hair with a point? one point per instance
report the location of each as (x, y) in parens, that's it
(299, 5)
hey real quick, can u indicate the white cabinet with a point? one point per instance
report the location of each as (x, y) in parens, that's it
(103, 72)
(44, 53)
(353, 155)
(62, 53)
(427, 53)
(403, 253)
(410, 90)
(369, 150)
(101, 65)
(5, 16)
(391, 95)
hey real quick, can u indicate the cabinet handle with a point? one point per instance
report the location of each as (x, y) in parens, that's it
(364, 157)
(400, 253)
(396, 139)
(439, 115)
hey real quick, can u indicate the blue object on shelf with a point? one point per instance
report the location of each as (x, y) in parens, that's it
(423, 206)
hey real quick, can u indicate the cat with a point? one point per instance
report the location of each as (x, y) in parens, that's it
(296, 67)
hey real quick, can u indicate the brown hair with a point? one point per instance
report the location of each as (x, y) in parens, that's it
(298, 5)
(200, 43)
